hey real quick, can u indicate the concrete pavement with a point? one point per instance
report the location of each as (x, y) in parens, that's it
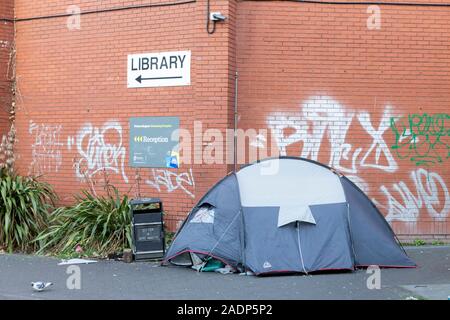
(144, 280)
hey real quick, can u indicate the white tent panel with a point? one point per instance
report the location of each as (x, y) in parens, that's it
(293, 186)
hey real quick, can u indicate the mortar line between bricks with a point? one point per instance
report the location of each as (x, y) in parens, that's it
(65, 15)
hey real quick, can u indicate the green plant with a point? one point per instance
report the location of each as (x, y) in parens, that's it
(169, 238)
(100, 224)
(419, 242)
(24, 206)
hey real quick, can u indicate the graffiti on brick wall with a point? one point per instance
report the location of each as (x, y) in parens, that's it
(323, 117)
(259, 141)
(430, 192)
(163, 179)
(322, 120)
(318, 119)
(99, 149)
(46, 148)
(422, 138)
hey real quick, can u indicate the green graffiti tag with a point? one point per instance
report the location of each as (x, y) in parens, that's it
(422, 138)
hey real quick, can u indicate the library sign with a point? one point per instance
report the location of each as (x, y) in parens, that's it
(161, 69)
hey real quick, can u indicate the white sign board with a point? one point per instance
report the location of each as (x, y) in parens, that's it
(161, 69)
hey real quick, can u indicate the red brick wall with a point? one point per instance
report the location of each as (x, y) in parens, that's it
(6, 38)
(324, 81)
(70, 79)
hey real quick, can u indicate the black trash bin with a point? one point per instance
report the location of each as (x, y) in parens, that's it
(148, 228)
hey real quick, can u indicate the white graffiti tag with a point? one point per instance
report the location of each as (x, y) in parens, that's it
(378, 145)
(324, 117)
(171, 181)
(46, 150)
(431, 193)
(100, 149)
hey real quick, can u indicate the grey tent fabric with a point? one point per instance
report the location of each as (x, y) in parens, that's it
(285, 248)
(302, 217)
(213, 226)
(332, 235)
(377, 244)
(269, 249)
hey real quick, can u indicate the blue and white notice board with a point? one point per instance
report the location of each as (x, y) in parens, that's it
(154, 142)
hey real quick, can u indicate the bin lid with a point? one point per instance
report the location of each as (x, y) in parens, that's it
(144, 201)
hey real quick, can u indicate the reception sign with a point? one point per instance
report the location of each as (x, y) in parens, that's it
(154, 142)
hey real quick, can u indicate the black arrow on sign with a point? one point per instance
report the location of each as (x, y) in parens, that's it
(140, 79)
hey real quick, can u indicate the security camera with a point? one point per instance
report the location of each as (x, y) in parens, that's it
(217, 16)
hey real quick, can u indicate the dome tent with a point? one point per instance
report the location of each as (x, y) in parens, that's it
(288, 215)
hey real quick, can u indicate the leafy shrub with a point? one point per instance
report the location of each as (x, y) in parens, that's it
(24, 206)
(100, 224)
(419, 242)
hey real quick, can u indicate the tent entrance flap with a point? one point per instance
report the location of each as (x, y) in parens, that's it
(293, 213)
